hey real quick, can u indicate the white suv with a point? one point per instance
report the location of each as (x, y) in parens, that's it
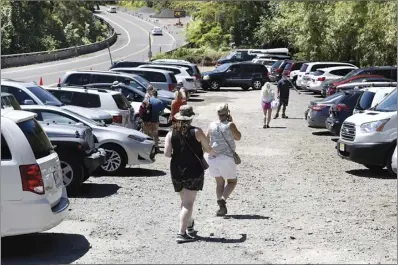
(113, 102)
(33, 196)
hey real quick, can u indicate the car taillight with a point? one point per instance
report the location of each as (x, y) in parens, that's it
(171, 87)
(197, 77)
(286, 73)
(341, 107)
(31, 178)
(117, 119)
(279, 70)
(318, 107)
(321, 78)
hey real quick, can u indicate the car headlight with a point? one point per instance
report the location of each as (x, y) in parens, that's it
(137, 138)
(375, 126)
(206, 77)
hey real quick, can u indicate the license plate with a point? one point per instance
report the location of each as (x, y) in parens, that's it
(341, 147)
(57, 179)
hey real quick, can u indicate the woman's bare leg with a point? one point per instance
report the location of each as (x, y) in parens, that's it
(182, 198)
(231, 184)
(269, 115)
(265, 116)
(220, 187)
(188, 200)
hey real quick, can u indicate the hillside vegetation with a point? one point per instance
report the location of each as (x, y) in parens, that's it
(363, 31)
(30, 26)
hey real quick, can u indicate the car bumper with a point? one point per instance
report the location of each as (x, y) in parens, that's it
(333, 125)
(95, 160)
(364, 153)
(304, 85)
(316, 119)
(140, 152)
(314, 88)
(27, 217)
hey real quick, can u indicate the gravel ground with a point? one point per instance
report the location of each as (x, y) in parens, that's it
(296, 202)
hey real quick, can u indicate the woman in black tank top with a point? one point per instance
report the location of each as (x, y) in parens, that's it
(185, 145)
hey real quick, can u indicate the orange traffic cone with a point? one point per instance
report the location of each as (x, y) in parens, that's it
(41, 81)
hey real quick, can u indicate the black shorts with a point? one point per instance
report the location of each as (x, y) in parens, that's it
(284, 102)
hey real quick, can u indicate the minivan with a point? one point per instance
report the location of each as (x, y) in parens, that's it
(161, 79)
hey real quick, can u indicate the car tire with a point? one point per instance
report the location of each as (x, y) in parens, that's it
(72, 172)
(257, 84)
(86, 175)
(215, 85)
(118, 156)
(375, 168)
(389, 162)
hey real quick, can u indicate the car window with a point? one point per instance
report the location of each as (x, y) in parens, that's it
(5, 151)
(239, 55)
(297, 66)
(86, 100)
(121, 102)
(10, 101)
(46, 97)
(304, 67)
(288, 66)
(173, 79)
(235, 68)
(155, 77)
(318, 66)
(36, 137)
(77, 79)
(352, 99)
(365, 101)
(276, 64)
(319, 72)
(63, 96)
(103, 78)
(19, 94)
(389, 103)
(135, 96)
(53, 117)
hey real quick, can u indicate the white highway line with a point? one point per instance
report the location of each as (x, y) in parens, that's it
(77, 60)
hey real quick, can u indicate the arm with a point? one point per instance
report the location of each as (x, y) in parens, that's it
(167, 145)
(235, 132)
(172, 109)
(208, 134)
(201, 137)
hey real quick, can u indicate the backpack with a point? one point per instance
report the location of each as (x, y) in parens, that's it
(145, 112)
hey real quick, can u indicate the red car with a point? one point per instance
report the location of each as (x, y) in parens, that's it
(357, 78)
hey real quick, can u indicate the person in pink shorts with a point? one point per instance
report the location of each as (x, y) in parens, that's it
(267, 96)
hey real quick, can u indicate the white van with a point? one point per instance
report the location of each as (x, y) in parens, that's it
(369, 138)
(33, 195)
(371, 97)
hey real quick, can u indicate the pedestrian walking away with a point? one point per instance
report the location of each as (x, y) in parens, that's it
(175, 106)
(185, 145)
(267, 96)
(151, 127)
(222, 135)
(284, 86)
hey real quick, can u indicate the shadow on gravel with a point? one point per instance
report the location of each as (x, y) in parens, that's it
(366, 173)
(322, 133)
(276, 127)
(43, 248)
(222, 239)
(139, 172)
(200, 92)
(196, 100)
(334, 139)
(246, 216)
(318, 96)
(96, 190)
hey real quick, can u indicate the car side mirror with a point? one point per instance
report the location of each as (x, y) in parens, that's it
(129, 97)
(28, 102)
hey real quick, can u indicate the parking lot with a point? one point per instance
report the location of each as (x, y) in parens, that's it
(296, 202)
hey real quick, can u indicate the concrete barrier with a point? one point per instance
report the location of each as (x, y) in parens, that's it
(14, 60)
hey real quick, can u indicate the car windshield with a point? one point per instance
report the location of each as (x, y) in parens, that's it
(229, 56)
(277, 64)
(350, 74)
(46, 97)
(388, 104)
(142, 81)
(223, 67)
(303, 68)
(84, 119)
(365, 101)
(333, 97)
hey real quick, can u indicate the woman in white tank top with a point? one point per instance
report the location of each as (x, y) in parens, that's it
(222, 136)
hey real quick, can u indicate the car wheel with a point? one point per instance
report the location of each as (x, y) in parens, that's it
(389, 163)
(374, 168)
(257, 84)
(72, 172)
(116, 159)
(215, 85)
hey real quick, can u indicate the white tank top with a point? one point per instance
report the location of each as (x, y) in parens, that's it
(217, 140)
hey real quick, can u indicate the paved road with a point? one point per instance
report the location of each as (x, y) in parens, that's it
(132, 44)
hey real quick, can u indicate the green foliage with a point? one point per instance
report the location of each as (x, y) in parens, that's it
(28, 26)
(203, 56)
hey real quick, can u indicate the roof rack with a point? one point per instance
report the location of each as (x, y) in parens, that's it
(102, 90)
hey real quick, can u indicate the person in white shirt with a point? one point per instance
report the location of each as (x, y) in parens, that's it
(267, 96)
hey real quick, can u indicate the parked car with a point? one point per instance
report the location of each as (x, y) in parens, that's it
(341, 110)
(156, 31)
(353, 85)
(371, 97)
(182, 74)
(33, 196)
(326, 74)
(369, 138)
(194, 68)
(291, 70)
(318, 110)
(242, 55)
(276, 70)
(161, 79)
(114, 103)
(244, 75)
(309, 68)
(123, 146)
(332, 87)
(394, 161)
(120, 64)
(264, 61)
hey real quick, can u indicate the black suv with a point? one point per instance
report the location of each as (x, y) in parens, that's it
(244, 75)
